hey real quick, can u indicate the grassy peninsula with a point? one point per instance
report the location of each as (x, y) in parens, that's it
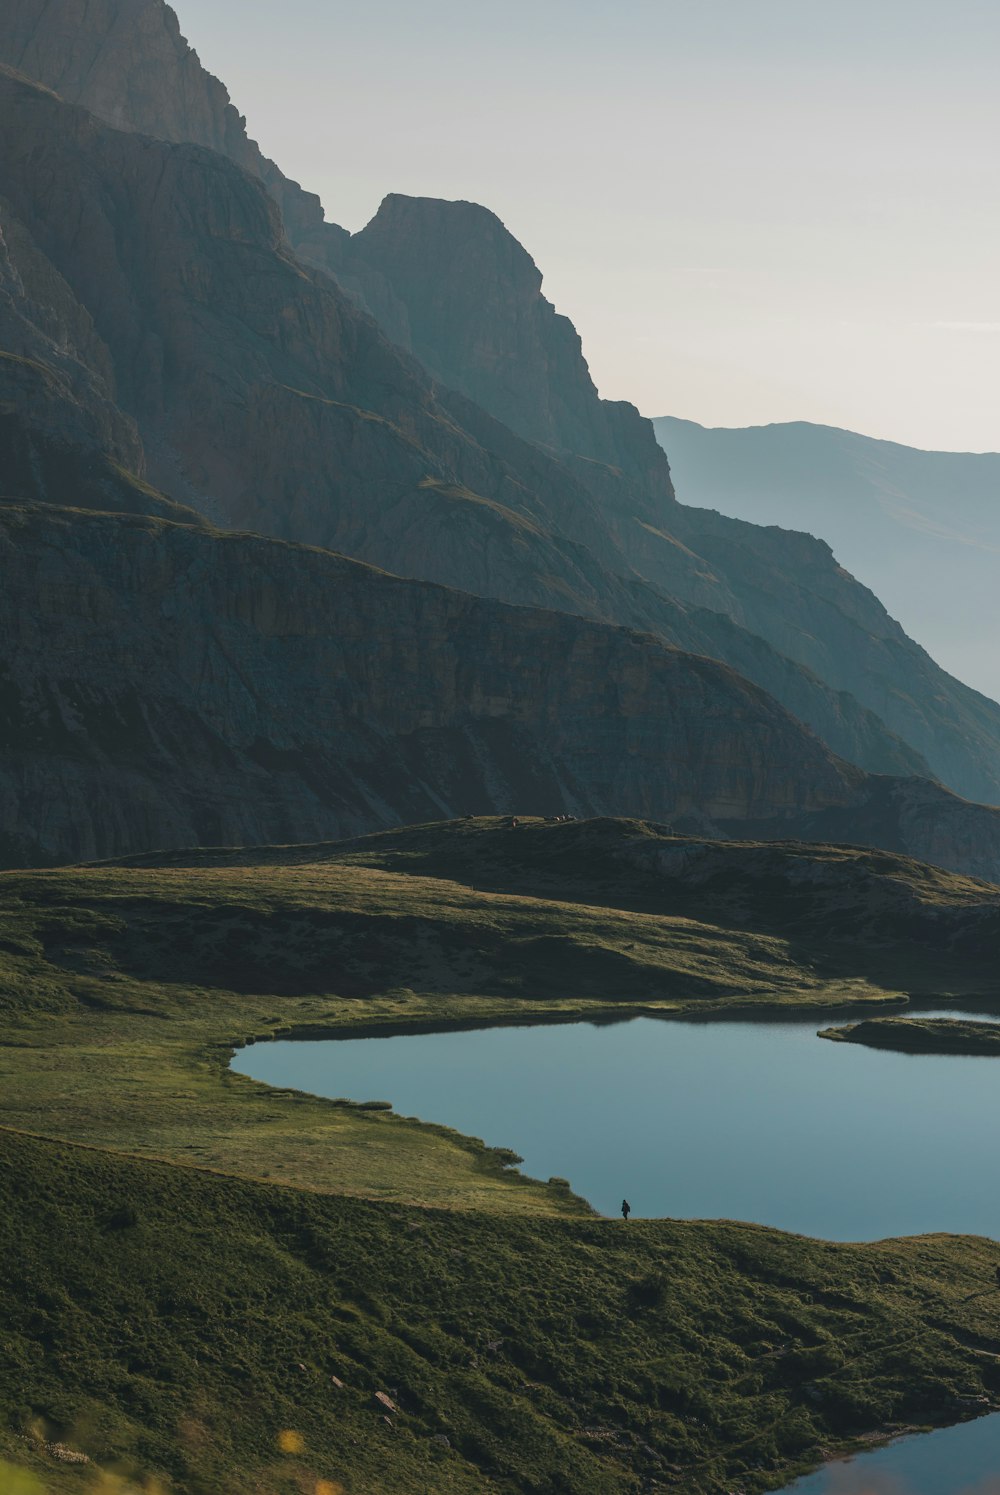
(213, 1286)
(920, 1035)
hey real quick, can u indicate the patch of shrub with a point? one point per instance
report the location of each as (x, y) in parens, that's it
(649, 1291)
(125, 1217)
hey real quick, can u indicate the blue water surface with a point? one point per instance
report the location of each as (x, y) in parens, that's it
(961, 1460)
(744, 1120)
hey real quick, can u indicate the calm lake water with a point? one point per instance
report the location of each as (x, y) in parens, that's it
(742, 1120)
(705, 1120)
(963, 1460)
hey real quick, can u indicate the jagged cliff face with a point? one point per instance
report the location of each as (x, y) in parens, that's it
(477, 319)
(127, 62)
(249, 385)
(260, 392)
(268, 403)
(54, 368)
(477, 316)
(167, 686)
(448, 282)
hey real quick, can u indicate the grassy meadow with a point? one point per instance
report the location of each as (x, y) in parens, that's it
(207, 1281)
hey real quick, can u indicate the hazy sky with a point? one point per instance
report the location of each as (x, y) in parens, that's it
(753, 210)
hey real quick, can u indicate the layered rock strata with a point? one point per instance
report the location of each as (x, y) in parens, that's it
(164, 685)
(263, 397)
(267, 401)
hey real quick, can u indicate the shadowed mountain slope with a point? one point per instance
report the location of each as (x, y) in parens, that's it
(165, 685)
(478, 321)
(478, 318)
(843, 910)
(504, 346)
(174, 686)
(269, 402)
(921, 528)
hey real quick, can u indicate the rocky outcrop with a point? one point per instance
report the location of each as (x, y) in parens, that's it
(261, 393)
(54, 369)
(914, 1035)
(819, 897)
(477, 319)
(476, 316)
(127, 62)
(39, 462)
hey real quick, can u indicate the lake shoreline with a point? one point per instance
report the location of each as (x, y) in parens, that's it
(624, 1104)
(609, 1015)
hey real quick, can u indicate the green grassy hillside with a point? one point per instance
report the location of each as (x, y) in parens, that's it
(171, 1323)
(188, 1257)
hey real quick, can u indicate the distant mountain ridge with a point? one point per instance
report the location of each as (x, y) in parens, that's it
(921, 528)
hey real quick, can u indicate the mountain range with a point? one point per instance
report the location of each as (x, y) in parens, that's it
(190, 352)
(305, 535)
(921, 528)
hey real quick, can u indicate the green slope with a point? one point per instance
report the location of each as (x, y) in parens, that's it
(169, 1322)
(162, 1285)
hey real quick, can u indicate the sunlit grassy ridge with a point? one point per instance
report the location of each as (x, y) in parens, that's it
(164, 1290)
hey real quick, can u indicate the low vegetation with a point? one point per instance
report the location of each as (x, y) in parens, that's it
(912, 1035)
(210, 1285)
(178, 1326)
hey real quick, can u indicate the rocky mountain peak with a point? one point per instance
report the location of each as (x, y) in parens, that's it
(127, 62)
(464, 236)
(479, 321)
(155, 287)
(445, 280)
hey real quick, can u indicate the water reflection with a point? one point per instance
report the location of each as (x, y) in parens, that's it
(756, 1121)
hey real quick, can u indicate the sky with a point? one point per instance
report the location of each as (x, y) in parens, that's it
(752, 210)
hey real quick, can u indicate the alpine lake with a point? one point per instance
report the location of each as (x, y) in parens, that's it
(756, 1120)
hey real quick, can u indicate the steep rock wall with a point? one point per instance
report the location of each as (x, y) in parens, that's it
(165, 686)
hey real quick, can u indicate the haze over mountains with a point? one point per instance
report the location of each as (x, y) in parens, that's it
(921, 528)
(176, 348)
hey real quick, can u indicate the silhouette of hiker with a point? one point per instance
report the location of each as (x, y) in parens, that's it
(627, 1210)
(998, 1276)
